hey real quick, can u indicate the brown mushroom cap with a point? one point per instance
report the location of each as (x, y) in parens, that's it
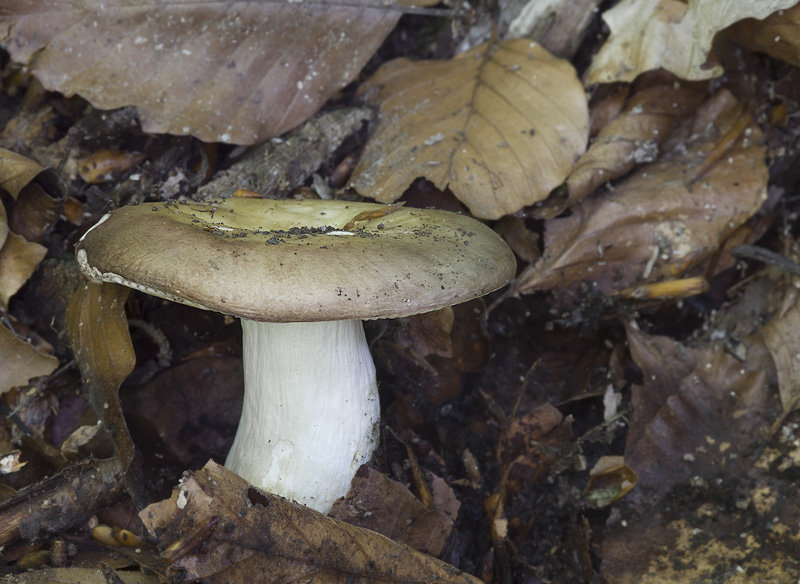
(293, 261)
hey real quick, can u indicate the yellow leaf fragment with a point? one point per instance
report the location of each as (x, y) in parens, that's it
(500, 125)
(369, 215)
(675, 35)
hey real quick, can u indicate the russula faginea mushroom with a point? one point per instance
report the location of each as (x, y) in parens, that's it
(301, 275)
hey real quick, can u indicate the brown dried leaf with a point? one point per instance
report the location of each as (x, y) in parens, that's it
(701, 402)
(97, 329)
(782, 338)
(21, 361)
(18, 260)
(237, 72)
(670, 34)
(530, 445)
(657, 105)
(378, 503)
(777, 35)
(17, 171)
(657, 224)
(500, 126)
(31, 216)
(219, 528)
(698, 417)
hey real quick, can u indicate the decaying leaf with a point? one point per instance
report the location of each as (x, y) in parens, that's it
(609, 480)
(97, 329)
(530, 445)
(701, 506)
(21, 361)
(777, 35)
(501, 126)
(656, 105)
(658, 223)
(236, 72)
(37, 194)
(378, 503)
(18, 259)
(671, 34)
(695, 408)
(782, 338)
(218, 528)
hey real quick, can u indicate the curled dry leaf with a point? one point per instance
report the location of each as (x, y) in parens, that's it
(218, 528)
(658, 223)
(778, 35)
(97, 329)
(235, 72)
(37, 201)
(18, 259)
(501, 126)
(656, 105)
(670, 34)
(21, 361)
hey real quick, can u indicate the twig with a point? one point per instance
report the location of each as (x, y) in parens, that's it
(61, 501)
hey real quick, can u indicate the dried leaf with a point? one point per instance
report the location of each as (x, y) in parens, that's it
(18, 260)
(696, 407)
(609, 480)
(669, 34)
(378, 503)
(777, 35)
(698, 417)
(782, 338)
(32, 215)
(235, 72)
(97, 329)
(17, 171)
(219, 528)
(656, 224)
(21, 361)
(530, 445)
(657, 105)
(501, 126)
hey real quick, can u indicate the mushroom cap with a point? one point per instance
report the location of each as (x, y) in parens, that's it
(294, 261)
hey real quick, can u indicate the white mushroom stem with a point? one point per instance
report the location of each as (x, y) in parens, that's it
(310, 413)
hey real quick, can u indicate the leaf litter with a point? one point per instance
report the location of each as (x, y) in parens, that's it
(519, 502)
(219, 528)
(658, 223)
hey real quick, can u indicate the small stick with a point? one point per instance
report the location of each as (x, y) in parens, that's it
(61, 501)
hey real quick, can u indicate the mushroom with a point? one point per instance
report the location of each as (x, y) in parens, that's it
(301, 276)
